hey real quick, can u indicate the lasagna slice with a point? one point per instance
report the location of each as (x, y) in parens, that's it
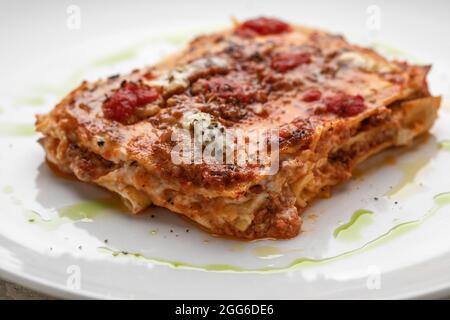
(331, 103)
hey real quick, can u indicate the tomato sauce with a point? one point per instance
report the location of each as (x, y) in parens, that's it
(226, 89)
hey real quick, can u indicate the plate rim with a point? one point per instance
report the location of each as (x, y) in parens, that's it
(57, 291)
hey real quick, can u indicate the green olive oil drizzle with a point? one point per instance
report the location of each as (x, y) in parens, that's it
(120, 56)
(31, 101)
(7, 189)
(83, 211)
(444, 145)
(267, 252)
(351, 230)
(19, 130)
(132, 51)
(440, 201)
(410, 170)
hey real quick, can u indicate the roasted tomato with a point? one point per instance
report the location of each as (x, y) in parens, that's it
(123, 103)
(263, 26)
(311, 95)
(345, 105)
(287, 61)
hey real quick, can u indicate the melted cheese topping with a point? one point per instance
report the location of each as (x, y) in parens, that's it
(180, 78)
(364, 62)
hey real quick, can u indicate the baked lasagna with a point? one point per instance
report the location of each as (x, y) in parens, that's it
(332, 104)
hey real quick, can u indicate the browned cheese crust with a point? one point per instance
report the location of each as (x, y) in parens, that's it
(247, 81)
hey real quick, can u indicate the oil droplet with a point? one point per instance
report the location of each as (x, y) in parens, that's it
(312, 216)
(442, 199)
(444, 145)
(8, 189)
(267, 252)
(154, 232)
(351, 231)
(410, 170)
(22, 130)
(83, 211)
(86, 210)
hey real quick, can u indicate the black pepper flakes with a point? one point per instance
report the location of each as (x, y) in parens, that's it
(114, 76)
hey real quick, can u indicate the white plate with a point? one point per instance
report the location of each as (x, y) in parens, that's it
(401, 250)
